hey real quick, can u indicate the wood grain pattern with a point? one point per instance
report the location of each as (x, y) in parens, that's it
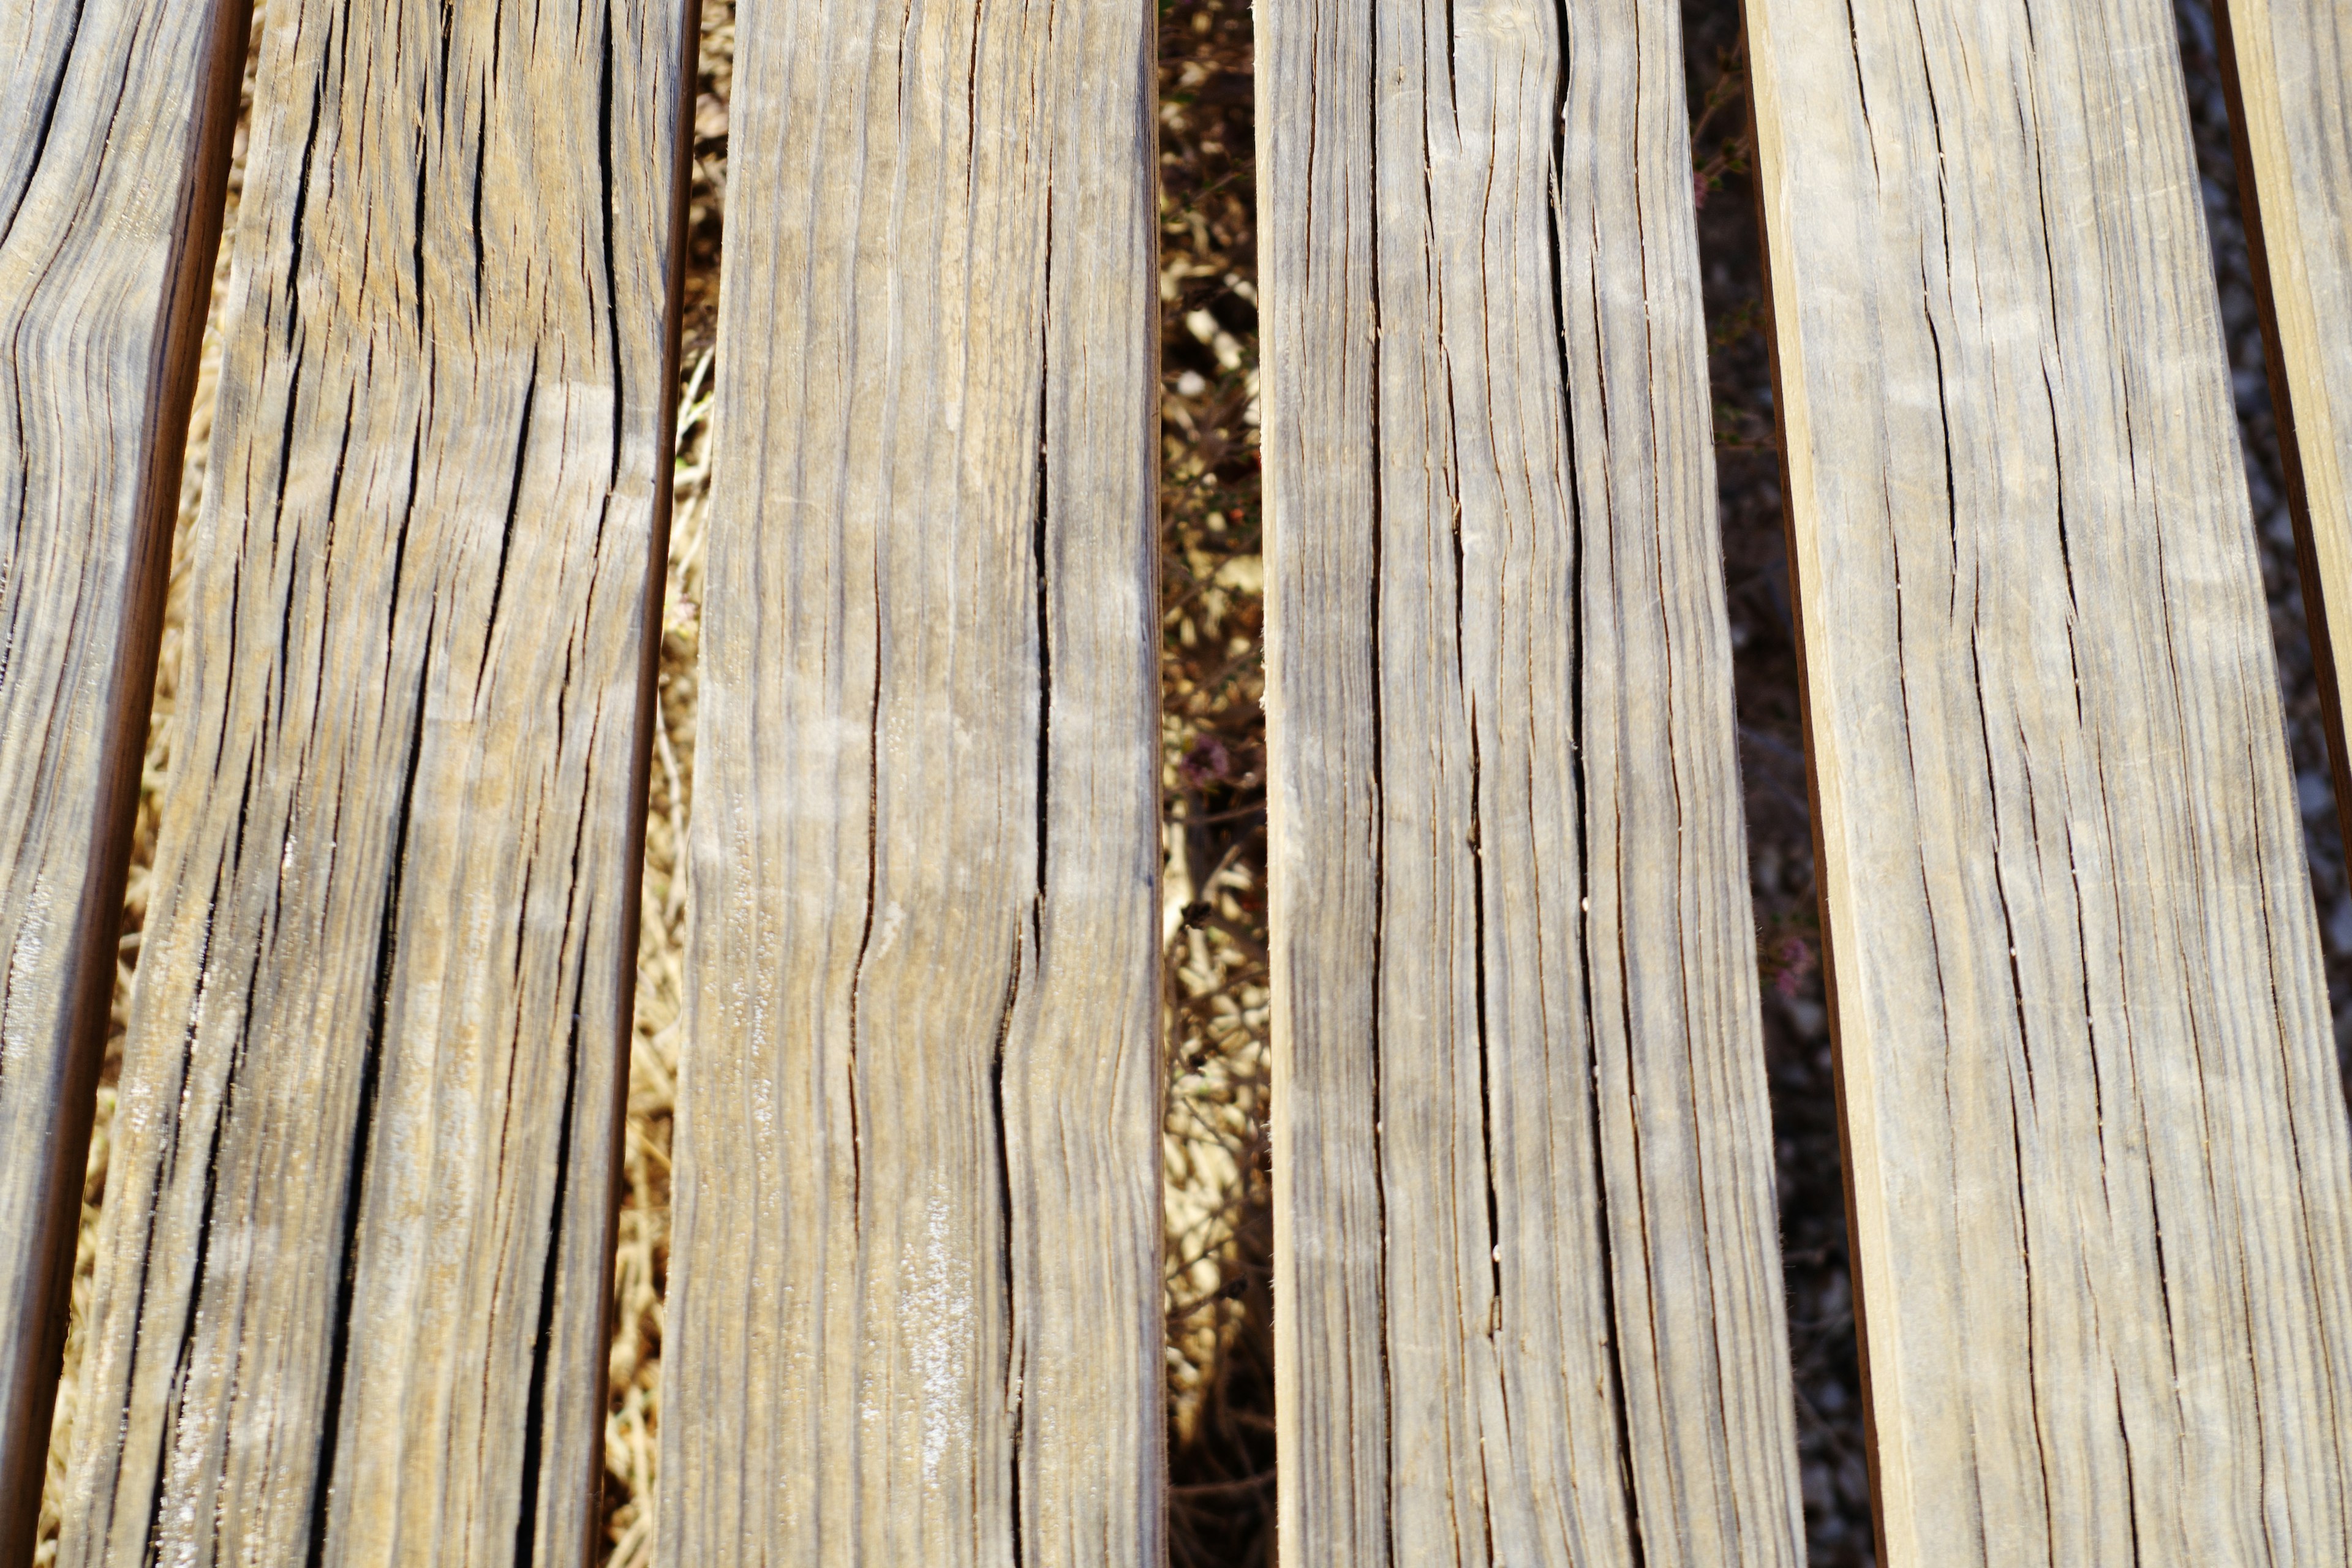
(915, 1296)
(2288, 66)
(114, 124)
(1527, 1275)
(351, 1291)
(2100, 1183)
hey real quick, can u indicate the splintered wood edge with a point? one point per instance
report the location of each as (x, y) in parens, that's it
(1855, 1086)
(648, 718)
(2280, 253)
(38, 1347)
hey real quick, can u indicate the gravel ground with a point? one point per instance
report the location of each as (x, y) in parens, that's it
(1218, 1300)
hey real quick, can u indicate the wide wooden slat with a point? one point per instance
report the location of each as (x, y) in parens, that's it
(2289, 67)
(915, 1292)
(351, 1292)
(1527, 1276)
(114, 124)
(2100, 1183)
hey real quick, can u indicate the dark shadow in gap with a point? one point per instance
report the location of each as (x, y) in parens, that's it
(1833, 1463)
(2258, 438)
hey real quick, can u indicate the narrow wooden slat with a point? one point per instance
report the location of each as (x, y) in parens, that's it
(915, 1297)
(2289, 67)
(2100, 1184)
(351, 1297)
(114, 124)
(1527, 1276)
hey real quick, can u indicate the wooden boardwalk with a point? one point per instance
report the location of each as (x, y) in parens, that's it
(1526, 1279)
(2289, 72)
(352, 1301)
(914, 1305)
(114, 149)
(352, 1294)
(2099, 1175)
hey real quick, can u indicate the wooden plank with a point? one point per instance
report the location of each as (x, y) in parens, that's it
(2099, 1177)
(351, 1300)
(915, 1292)
(1525, 1262)
(114, 124)
(2288, 65)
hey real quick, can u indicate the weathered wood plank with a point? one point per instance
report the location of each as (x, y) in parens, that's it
(2097, 1152)
(915, 1299)
(2288, 64)
(351, 1293)
(1528, 1277)
(115, 127)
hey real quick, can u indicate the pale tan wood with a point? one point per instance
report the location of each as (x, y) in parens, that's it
(1528, 1287)
(350, 1298)
(114, 124)
(2289, 66)
(2100, 1183)
(914, 1311)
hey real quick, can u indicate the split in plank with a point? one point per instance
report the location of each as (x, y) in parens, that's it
(915, 1301)
(1529, 1286)
(352, 1294)
(2288, 64)
(115, 117)
(2099, 1178)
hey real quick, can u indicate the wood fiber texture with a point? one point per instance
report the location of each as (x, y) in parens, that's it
(2289, 66)
(1527, 1274)
(351, 1288)
(2097, 1147)
(915, 1301)
(114, 151)
(114, 124)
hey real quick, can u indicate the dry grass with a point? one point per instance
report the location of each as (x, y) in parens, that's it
(641, 1257)
(1212, 678)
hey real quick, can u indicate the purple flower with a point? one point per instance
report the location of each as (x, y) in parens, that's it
(1206, 763)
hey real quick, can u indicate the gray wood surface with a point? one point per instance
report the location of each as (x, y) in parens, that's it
(915, 1299)
(2289, 68)
(114, 125)
(1527, 1282)
(2096, 1144)
(351, 1287)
